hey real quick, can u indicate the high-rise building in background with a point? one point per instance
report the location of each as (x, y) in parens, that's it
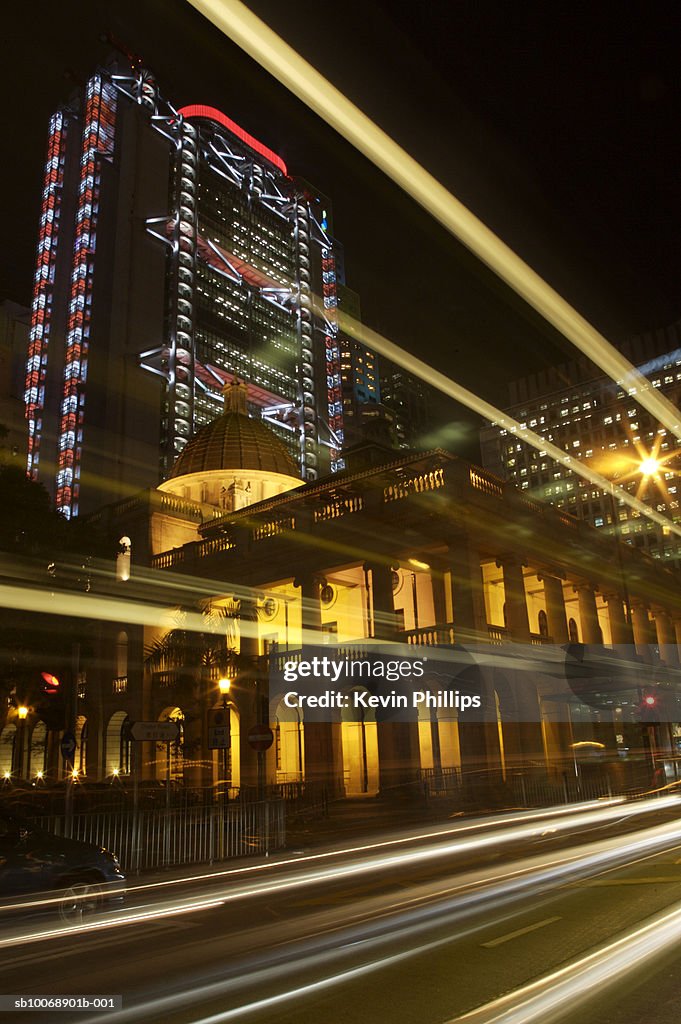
(175, 253)
(14, 328)
(364, 417)
(587, 415)
(410, 405)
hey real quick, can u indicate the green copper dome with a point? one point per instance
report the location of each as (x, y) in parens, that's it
(234, 441)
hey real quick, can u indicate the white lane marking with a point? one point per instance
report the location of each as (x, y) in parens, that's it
(519, 932)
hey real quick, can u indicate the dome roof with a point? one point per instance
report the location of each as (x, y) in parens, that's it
(234, 441)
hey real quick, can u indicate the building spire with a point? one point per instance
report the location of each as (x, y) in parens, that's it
(235, 392)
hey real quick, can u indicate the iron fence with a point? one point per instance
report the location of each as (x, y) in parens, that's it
(157, 838)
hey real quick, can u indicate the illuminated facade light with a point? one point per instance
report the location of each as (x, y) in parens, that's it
(230, 259)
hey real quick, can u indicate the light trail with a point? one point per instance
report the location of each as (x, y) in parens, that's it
(410, 924)
(281, 60)
(521, 827)
(564, 991)
(472, 401)
(237, 22)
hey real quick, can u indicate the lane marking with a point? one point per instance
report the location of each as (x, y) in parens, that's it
(519, 932)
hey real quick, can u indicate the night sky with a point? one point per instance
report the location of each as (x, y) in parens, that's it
(559, 127)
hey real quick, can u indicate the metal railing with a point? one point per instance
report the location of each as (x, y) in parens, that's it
(155, 838)
(526, 787)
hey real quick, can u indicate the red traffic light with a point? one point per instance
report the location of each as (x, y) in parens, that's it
(50, 682)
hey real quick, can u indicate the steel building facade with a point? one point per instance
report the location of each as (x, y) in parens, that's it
(175, 253)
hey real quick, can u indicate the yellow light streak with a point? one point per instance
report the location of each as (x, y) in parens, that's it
(280, 60)
(472, 401)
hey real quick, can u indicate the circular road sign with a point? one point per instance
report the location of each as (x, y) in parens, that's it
(260, 737)
(68, 745)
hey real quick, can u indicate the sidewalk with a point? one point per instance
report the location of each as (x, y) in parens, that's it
(363, 817)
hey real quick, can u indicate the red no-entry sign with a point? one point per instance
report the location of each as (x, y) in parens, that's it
(260, 737)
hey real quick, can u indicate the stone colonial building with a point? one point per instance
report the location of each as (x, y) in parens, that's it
(234, 565)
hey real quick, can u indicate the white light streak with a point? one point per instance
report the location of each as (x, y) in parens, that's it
(563, 991)
(520, 827)
(280, 60)
(409, 925)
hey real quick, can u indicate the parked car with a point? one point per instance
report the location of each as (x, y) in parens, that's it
(80, 877)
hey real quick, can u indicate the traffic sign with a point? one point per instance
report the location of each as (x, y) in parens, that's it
(219, 736)
(68, 746)
(260, 737)
(155, 732)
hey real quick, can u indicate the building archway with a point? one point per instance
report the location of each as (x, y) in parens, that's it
(37, 764)
(233, 776)
(289, 744)
(7, 743)
(80, 757)
(169, 757)
(360, 750)
(117, 746)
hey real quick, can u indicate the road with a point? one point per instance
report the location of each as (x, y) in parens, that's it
(422, 927)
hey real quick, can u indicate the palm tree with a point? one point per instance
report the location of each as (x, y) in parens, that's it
(197, 658)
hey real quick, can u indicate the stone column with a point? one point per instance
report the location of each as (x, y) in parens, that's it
(517, 619)
(642, 631)
(619, 627)
(666, 637)
(321, 765)
(468, 602)
(439, 583)
(588, 614)
(398, 747)
(398, 759)
(245, 691)
(555, 609)
(383, 605)
(311, 608)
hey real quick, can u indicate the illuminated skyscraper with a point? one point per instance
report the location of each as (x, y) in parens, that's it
(590, 417)
(175, 252)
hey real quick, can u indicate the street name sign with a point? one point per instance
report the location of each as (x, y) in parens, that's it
(155, 732)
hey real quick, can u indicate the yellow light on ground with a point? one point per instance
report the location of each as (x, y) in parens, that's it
(418, 564)
(22, 712)
(224, 685)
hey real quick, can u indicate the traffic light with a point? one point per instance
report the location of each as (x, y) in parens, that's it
(50, 683)
(51, 706)
(649, 707)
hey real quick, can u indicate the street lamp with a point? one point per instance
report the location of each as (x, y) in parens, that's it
(646, 467)
(224, 686)
(649, 466)
(22, 714)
